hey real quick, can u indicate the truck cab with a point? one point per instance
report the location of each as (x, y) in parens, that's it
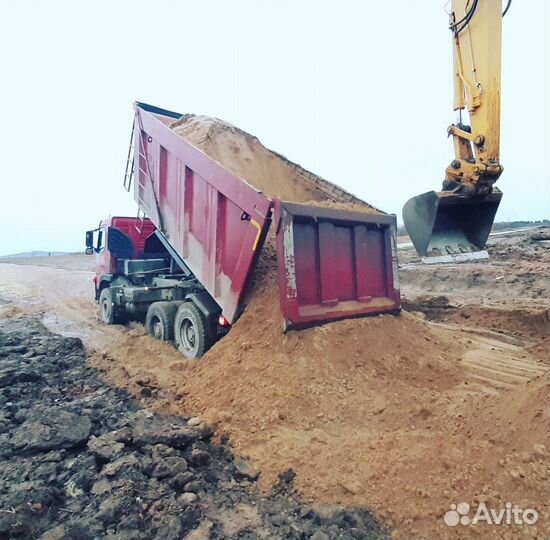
(139, 276)
(115, 240)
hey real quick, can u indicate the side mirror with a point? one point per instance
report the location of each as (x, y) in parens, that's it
(89, 242)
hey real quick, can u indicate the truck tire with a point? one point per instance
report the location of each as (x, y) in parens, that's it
(159, 321)
(190, 331)
(107, 311)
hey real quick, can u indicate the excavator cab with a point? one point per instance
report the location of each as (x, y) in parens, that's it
(448, 226)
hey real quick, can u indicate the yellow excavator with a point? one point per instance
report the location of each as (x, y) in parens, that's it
(454, 224)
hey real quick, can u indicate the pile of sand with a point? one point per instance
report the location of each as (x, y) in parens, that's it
(246, 157)
(390, 412)
(378, 412)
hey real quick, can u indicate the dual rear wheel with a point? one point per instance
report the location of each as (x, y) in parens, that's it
(181, 322)
(159, 321)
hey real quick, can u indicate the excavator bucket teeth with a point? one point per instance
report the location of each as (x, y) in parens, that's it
(450, 226)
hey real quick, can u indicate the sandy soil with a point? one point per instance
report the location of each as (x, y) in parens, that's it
(406, 415)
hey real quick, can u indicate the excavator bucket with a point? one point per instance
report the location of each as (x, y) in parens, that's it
(447, 226)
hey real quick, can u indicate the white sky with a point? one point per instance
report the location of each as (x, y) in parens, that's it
(359, 92)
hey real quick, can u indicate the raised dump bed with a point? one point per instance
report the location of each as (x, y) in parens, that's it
(336, 257)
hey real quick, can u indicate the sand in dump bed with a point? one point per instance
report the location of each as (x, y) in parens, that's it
(246, 157)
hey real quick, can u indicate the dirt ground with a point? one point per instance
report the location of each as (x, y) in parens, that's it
(405, 415)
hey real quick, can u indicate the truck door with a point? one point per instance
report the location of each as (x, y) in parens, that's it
(103, 257)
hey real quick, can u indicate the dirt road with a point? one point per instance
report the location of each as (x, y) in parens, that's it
(59, 287)
(404, 415)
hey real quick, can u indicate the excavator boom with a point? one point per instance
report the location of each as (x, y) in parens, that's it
(455, 222)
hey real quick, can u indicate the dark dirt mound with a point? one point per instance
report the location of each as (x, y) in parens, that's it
(435, 308)
(79, 460)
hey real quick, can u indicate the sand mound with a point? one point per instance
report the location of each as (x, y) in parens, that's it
(306, 374)
(323, 401)
(246, 157)
(384, 412)
(377, 412)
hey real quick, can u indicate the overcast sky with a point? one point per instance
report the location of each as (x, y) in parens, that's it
(359, 92)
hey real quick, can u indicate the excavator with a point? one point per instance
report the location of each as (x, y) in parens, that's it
(453, 225)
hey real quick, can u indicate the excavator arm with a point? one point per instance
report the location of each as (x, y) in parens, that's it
(454, 224)
(477, 52)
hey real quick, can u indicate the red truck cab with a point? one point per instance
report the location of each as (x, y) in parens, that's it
(117, 238)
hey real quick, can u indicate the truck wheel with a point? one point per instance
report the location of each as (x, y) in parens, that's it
(190, 331)
(107, 311)
(159, 321)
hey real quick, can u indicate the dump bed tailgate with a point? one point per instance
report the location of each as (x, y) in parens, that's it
(334, 263)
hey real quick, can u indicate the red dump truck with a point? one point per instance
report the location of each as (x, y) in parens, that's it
(186, 266)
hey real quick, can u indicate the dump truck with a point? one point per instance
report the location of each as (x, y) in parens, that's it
(184, 263)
